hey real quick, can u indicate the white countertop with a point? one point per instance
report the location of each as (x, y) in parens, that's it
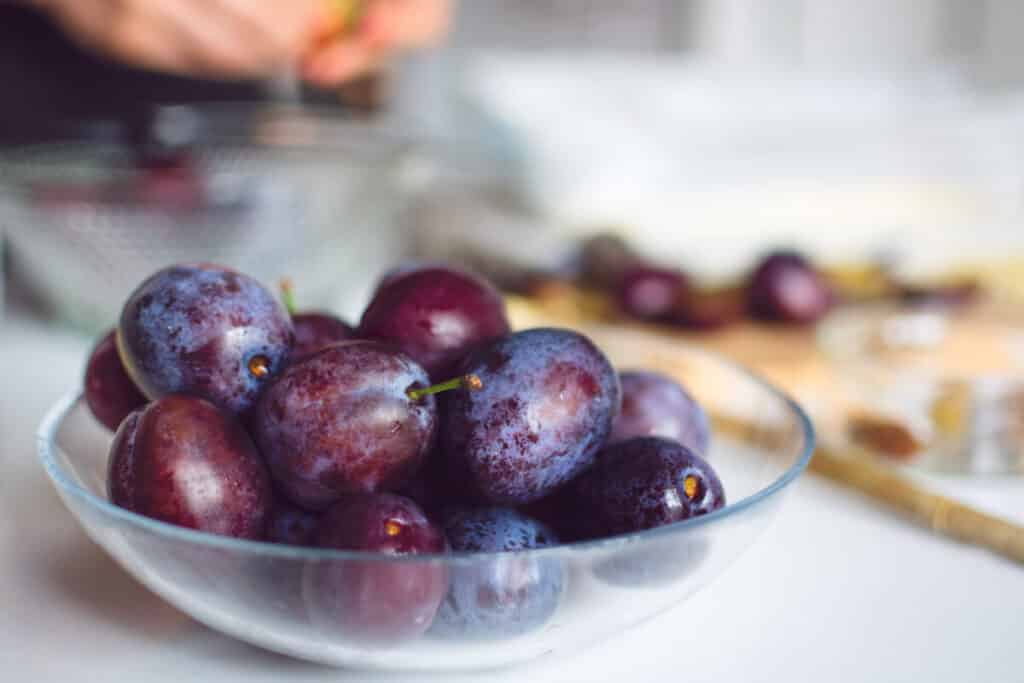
(835, 590)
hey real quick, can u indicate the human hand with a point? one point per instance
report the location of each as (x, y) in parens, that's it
(230, 39)
(359, 36)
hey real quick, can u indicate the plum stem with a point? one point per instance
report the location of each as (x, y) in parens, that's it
(288, 295)
(471, 382)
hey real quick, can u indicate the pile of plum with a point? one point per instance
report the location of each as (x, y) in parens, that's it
(784, 287)
(429, 428)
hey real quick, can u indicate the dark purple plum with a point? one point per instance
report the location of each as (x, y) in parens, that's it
(379, 523)
(656, 405)
(650, 293)
(508, 594)
(555, 512)
(403, 269)
(431, 489)
(546, 406)
(436, 316)
(342, 422)
(183, 461)
(604, 258)
(785, 288)
(315, 331)
(207, 331)
(291, 525)
(376, 602)
(642, 483)
(109, 391)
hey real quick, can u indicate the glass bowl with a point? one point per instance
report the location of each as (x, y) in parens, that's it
(937, 387)
(273, 192)
(261, 593)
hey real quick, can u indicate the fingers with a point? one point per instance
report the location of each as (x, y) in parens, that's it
(244, 38)
(134, 38)
(213, 42)
(341, 61)
(211, 38)
(250, 38)
(408, 23)
(386, 27)
(282, 32)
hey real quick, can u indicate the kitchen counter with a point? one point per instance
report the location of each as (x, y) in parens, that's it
(835, 590)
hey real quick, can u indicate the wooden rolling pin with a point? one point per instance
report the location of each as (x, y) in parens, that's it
(860, 469)
(939, 513)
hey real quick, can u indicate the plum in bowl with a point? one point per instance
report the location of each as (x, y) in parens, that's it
(345, 608)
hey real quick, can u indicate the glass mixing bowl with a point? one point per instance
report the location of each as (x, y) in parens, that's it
(260, 593)
(272, 191)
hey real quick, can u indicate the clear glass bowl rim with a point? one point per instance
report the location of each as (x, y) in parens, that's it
(46, 438)
(370, 143)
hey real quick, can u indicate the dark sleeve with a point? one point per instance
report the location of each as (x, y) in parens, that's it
(48, 84)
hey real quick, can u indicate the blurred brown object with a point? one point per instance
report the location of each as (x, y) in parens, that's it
(884, 435)
(711, 309)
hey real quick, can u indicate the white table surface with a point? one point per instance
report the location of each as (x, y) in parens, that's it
(835, 590)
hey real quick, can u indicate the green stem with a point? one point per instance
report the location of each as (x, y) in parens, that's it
(470, 382)
(288, 295)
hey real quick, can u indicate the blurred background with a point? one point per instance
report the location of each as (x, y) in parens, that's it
(704, 131)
